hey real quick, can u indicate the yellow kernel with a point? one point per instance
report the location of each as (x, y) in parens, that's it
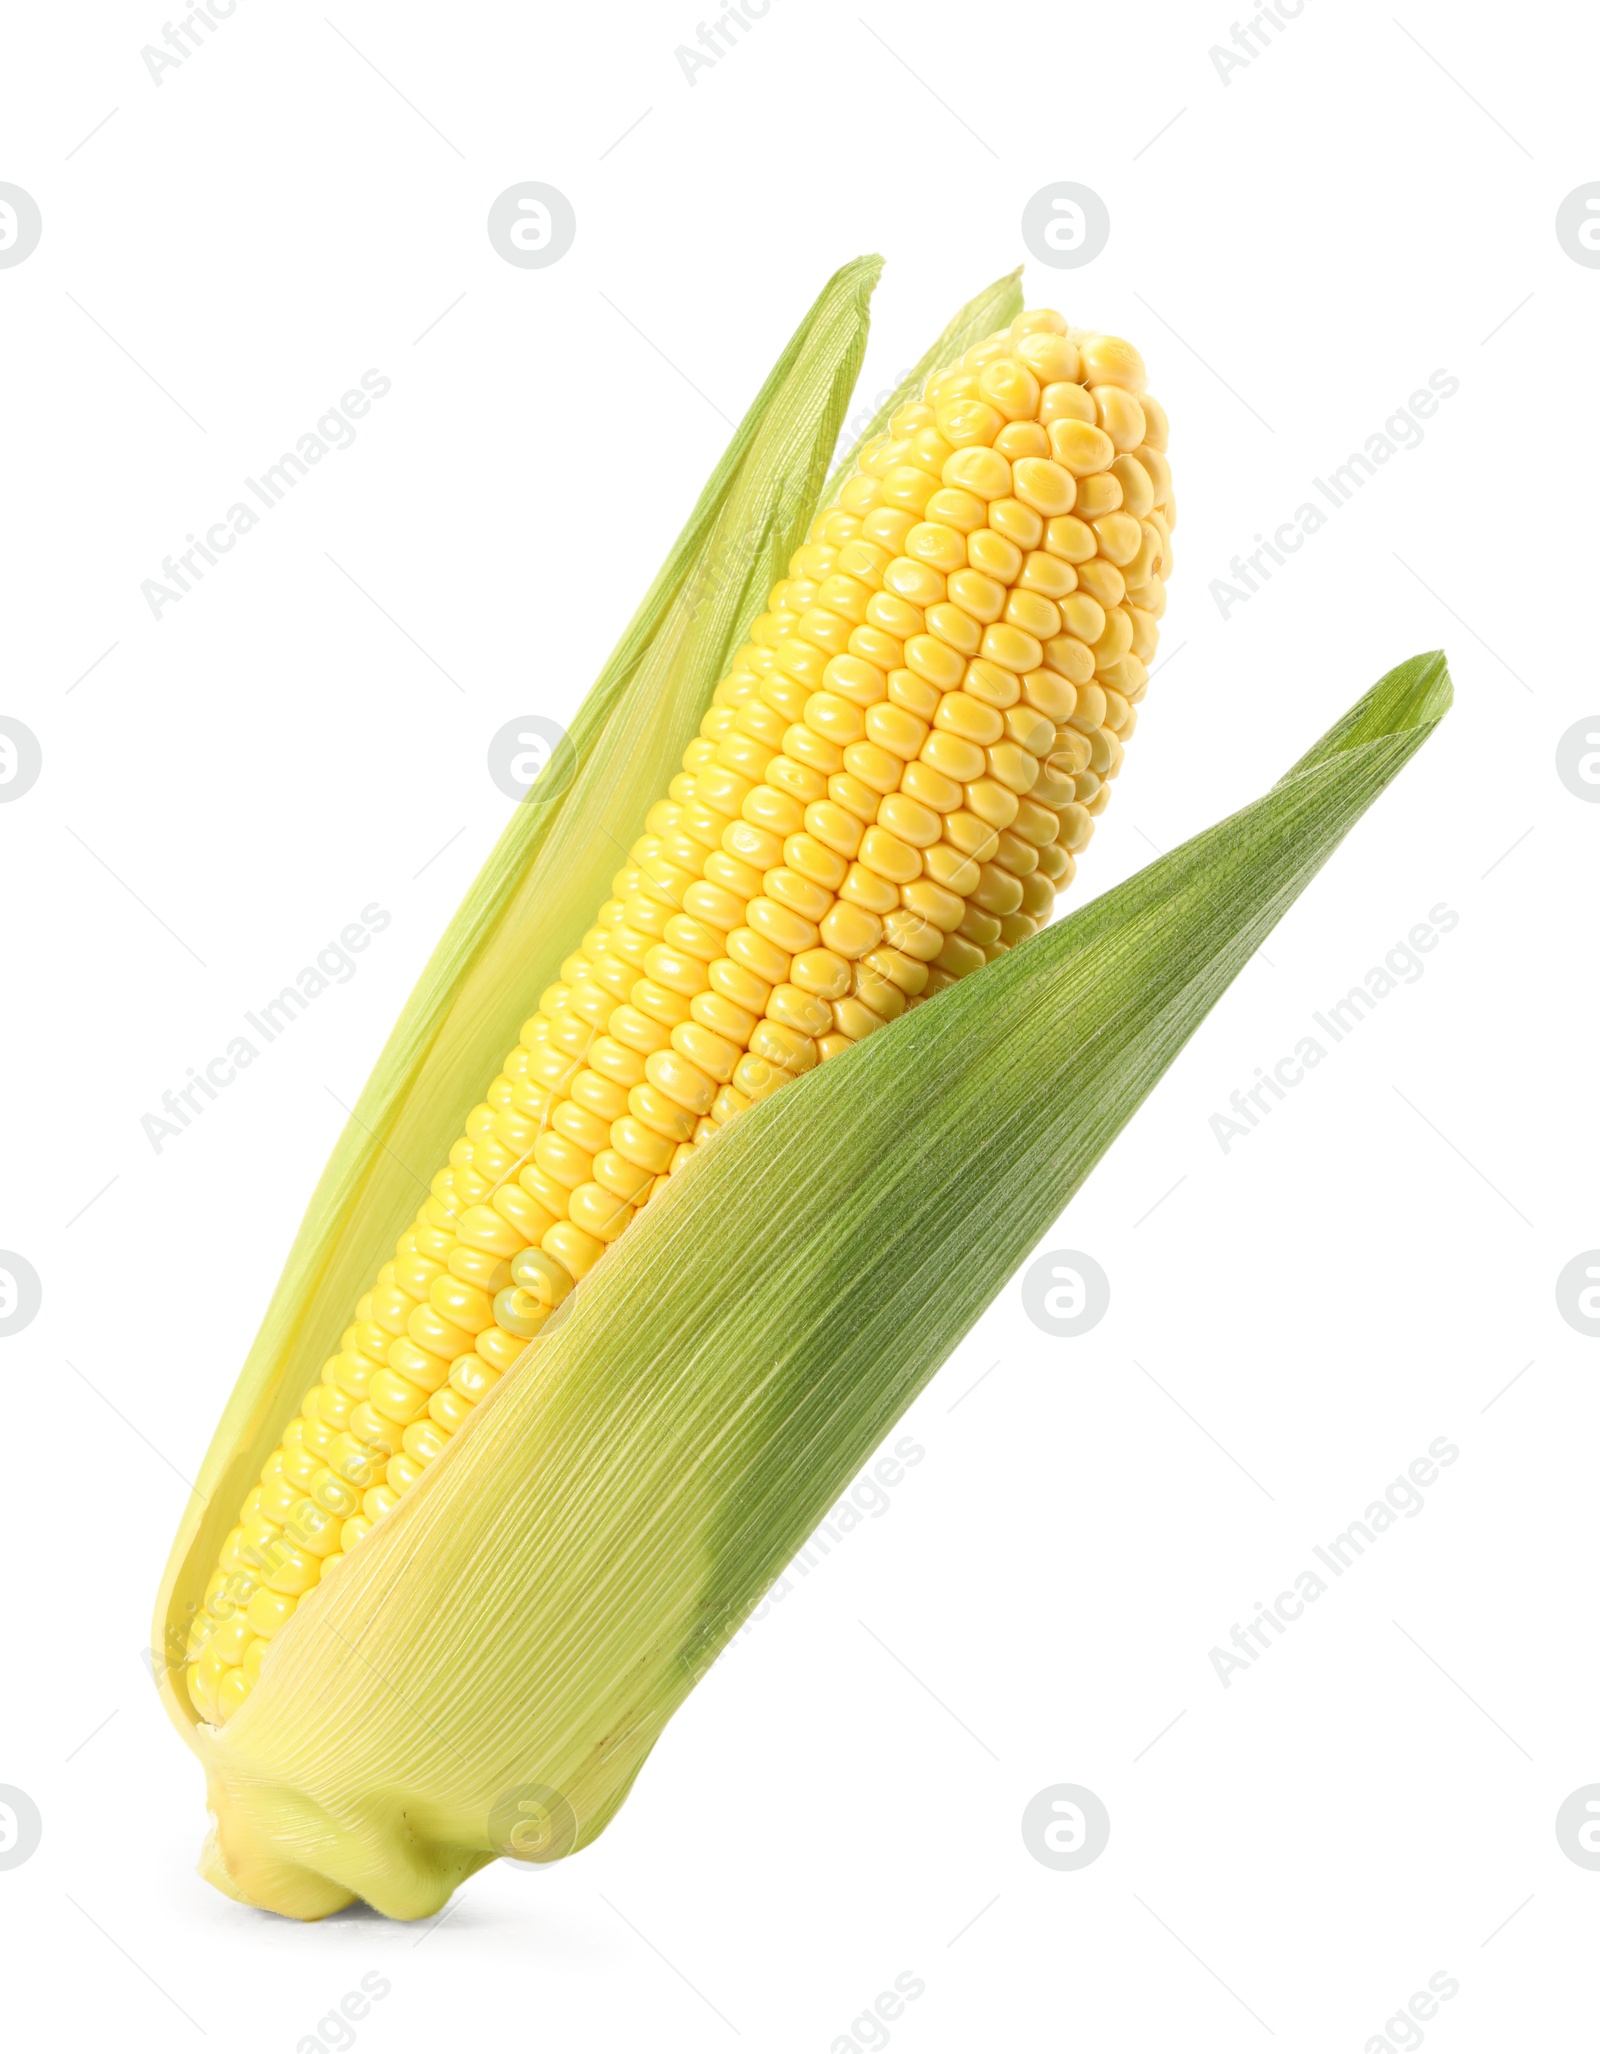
(1108, 360)
(783, 1046)
(716, 1055)
(855, 1020)
(1031, 730)
(1099, 495)
(997, 891)
(1012, 648)
(884, 997)
(269, 1611)
(983, 473)
(1120, 415)
(912, 582)
(992, 802)
(953, 626)
(988, 682)
(1116, 641)
(1138, 490)
(573, 1247)
(969, 719)
(930, 785)
(913, 936)
(994, 555)
(875, 767)
(821, 971)
(946, 865)
(866, 889)
(932, 903)
(1050, 576)
(896, 730)
(1065, 400)
(1034, 615)
(781, 928)
(1051, 358)
(1102, 581)
(815, 862)
(562, 1160)
(909, 820)
(801, 1010)
(1080, 448)
(1013, 767)
(981, 597)
(903, 971)
(955, 757)
(952, 508)
(794, 893)
(850, 931)
(596, 1211)
(1119, 537)
(933, 544)
(835, 719)
(1010, 388)
(1022, 438)
(888, 856)
(1083, 617)
(907, 488)
(1016, 523)
(968, 422)
(1049, 488)
(396, 1397)
(914, 694)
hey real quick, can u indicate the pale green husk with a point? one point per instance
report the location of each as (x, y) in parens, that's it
(532, 1613)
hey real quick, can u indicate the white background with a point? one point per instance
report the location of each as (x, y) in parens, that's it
(1292, 1322)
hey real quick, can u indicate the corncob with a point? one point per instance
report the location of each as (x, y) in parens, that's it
(894, 780)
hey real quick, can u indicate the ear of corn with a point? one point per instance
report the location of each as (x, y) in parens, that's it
(894, 777)
(535, 1610)
(802, 885)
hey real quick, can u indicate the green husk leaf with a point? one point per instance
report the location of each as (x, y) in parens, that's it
(529, 907)
(997, 306)
(534, 1610)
